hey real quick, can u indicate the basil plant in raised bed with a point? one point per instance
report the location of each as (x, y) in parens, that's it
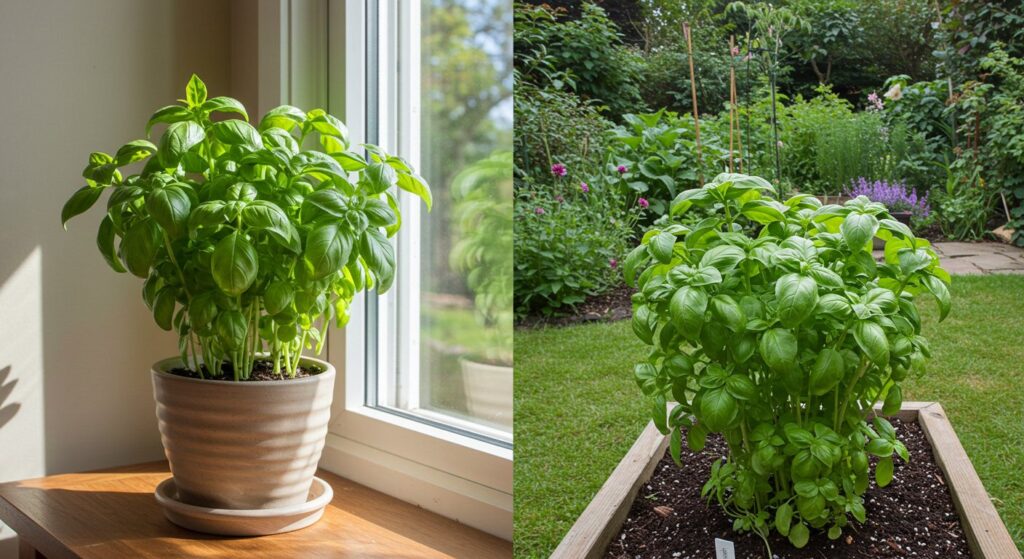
(782, 341)
(246, 239)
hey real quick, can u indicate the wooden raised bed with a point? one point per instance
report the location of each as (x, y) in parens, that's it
(986, 534)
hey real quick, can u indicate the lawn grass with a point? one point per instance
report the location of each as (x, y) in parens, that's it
(577, 409)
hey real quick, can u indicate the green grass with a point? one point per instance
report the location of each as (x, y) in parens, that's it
(578, 411)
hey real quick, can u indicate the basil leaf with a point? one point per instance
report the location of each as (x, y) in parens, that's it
(234, 264)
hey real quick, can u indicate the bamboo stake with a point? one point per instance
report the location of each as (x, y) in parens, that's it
(736, 109)
(732, 100)
(693, 95)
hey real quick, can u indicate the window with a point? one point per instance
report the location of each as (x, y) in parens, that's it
(429, 80)
(441, 348)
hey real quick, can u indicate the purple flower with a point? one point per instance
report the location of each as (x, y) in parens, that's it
(558, 170)
(584, 187)
(613, 263)
(643, 203)
(895, 196)
(622, 169)
(560, 199)
(539, 211)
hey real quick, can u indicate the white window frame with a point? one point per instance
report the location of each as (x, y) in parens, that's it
(440, 469)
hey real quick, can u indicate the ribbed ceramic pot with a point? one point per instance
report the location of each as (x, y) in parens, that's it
(488, 390)
(243, 445)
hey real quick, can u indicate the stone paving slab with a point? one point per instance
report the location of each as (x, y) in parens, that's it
(980, 258)
(960, 258)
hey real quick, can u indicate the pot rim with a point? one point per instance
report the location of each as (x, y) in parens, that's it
(469, 359)
(159, 369)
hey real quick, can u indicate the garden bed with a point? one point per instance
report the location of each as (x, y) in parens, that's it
(983, 532)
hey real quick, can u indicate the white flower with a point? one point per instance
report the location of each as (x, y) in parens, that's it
(895, 93)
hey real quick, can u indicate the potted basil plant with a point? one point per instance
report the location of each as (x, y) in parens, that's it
(483, 219)
(249, 243)
(783, 342)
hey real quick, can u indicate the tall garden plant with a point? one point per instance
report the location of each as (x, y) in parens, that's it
(782, 342)
(248, 240)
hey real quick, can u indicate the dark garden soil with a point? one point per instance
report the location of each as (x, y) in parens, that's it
(912, 517)
(263, 369)
(607, 307)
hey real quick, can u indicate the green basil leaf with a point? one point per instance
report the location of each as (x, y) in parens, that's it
(380, 255)
(783, 518)
(380, 177)
(778, 348)
(799, 535)
(231, 329)
(661, 246)
(284, 116)
(163, 308)
(858, 229)
(723, 257)
(796, 296)
(718, 409)
(139, 246)
(872, 341)
(726, 310)
(328, 248)
(105, 242)
(940, 292)
(827, 371)
(234, 264)
(177, 140)
(893, 401)
(195, 91)
(415, 184)
(133, 151)
(236, 132)
(79, 203)
(168, 114)
(687, 309)
(170, 208)
(884, 471)
(224, 105)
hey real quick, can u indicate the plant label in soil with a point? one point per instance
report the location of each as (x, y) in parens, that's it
(724, 549)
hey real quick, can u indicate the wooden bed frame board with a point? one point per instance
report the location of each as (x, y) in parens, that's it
(986, 534)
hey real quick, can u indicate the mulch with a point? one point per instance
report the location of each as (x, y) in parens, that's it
(610, 306)
(914, 516)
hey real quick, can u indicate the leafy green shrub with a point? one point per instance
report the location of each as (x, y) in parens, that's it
(782, 342)
(804, 126)
(589, 49)
(850, 148)
(245, 239)
(555, 127)
(483, 216)
(569, 240)
(654, 157)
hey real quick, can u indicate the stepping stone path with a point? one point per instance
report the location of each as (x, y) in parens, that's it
(979, 258)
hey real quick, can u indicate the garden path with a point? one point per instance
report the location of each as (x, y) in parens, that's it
(979, 258)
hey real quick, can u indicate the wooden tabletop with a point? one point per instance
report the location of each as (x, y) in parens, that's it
(112, 513)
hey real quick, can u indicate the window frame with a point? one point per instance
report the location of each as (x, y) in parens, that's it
(439, 468)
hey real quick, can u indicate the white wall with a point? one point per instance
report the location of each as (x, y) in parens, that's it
(76, 341)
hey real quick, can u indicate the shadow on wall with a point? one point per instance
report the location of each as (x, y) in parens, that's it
(7, 411)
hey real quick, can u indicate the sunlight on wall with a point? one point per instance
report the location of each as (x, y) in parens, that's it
(22, 452)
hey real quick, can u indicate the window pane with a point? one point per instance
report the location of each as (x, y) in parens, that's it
(464, 361)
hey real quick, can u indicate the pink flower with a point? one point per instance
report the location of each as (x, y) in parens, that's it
(613, 263)
(539, 211)
(584, 187)
(622, 169)
(560, 199)
(876, 102)
(643, 203)
(735, 51)
(558, 170)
